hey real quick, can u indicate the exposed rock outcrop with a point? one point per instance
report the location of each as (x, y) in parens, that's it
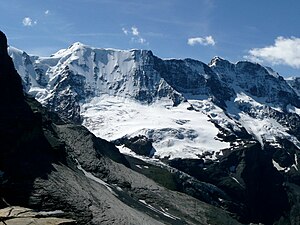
(141, 145)
(16, 215)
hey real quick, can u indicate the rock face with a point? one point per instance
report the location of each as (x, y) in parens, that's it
(47, 164)
(141, 145)
(248, 176)
(9, 77)
(256, 80)
(25, 152)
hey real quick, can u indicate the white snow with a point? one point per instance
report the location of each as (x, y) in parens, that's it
(272, 72)
(296, 162)
(295, 167)
(277, 166)
(23, 66)
(287, 169)
(50, 213)
(176, 131)
(98, 180)
(290, 78)
(293, 109)
(162, 211)
(236, 180)
(261, 127)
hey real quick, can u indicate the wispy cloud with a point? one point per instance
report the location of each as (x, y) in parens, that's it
(209, 40)
(135, 35)
(28, 22)
(125, 31)
(285, 51)
(135, 31)
(47, 12)
(141, 40)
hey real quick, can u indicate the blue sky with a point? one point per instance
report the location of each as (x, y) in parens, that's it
(258, 30)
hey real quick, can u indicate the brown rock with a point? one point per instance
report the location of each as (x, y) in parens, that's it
(16, 215)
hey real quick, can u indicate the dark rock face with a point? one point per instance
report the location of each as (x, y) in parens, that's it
(190, 76)
(25, 153)
(141, 145)
(249, 178)
(10, 81)
(294, 83)
(256, 80)
(66, 100)
(265, 193)
(3, 44)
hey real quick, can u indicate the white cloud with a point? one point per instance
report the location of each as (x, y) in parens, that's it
(135, 31)
(285, 51)
(135, 35)
(47, 12)
(142, 40)
(209, 40)
(28, 22)
(125, 31)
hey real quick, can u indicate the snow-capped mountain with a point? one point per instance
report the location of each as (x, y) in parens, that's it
(186, 108)
(61, 170)
(232, 128)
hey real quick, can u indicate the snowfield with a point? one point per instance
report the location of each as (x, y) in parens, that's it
(176, 131)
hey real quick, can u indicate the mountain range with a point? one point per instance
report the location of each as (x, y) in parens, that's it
(185, 107)
(185, 142)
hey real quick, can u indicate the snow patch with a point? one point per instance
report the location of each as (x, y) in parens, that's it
(263, 128)
(277, 166)
(162, 211)
(98, 180)
(50, 213)
(236, 180)
(293, 109)
(112, 118)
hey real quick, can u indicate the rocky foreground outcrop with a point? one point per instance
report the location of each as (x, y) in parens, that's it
(47, 164)
(23, 216)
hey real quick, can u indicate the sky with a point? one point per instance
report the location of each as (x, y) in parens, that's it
(263, 31)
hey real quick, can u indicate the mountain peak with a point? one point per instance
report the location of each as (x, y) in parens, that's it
(77, 45)
(217, 58)
(218, 61)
